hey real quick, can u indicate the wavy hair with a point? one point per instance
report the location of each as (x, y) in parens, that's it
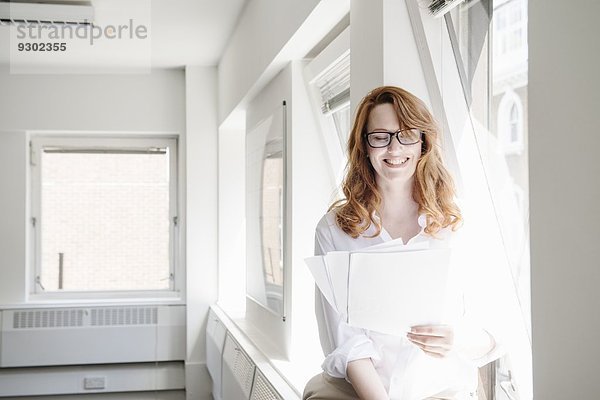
(433, 188)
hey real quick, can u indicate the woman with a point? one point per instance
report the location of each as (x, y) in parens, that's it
(396, 188)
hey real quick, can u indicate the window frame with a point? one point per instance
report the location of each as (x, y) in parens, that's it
(338, 49)
(37, 142)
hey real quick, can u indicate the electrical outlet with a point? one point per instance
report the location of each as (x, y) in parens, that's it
(94, 383)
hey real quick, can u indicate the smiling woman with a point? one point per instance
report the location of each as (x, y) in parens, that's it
(392, 109)
(397, 189)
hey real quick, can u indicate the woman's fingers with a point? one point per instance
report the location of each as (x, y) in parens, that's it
(444, 342)
(432, 330)
(434, 340)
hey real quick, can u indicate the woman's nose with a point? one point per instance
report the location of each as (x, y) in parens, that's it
(394, 145)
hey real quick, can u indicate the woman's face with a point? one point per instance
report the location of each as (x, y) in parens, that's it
(396, 162)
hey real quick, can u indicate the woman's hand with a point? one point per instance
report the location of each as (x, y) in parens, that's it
(435, 340)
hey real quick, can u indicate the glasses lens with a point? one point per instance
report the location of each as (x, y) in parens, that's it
(409, 136)
(378, 139)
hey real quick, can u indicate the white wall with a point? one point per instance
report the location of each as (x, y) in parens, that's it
(268, 24)
(268, 35)
(120, 103)
(232, 233)
(564, 96)
(201, 220)
(127, 102)
(382, 36)
(13, 167)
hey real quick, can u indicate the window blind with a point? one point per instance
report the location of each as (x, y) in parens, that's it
(334, 85)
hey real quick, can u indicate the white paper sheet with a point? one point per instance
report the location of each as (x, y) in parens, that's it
(390, 292)
(318, 269)
(338, 264)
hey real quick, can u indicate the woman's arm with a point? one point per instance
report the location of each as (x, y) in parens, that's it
(365, 380)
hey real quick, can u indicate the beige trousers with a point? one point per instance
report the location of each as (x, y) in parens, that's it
(326, 387)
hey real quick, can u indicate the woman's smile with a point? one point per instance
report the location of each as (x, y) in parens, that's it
(396, 162)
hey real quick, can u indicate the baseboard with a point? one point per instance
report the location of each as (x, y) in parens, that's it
(117, 378)
(158, 395)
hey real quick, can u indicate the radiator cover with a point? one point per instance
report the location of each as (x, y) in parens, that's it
(262, 389)
(92, 335)
(238, 371)
(215, 340)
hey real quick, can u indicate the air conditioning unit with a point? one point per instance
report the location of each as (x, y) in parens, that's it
(68, 12)
(92, 335)
(441, 7)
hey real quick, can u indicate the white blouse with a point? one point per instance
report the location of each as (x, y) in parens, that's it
(405, 370)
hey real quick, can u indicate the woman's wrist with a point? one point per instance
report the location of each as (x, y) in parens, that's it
(473, 342)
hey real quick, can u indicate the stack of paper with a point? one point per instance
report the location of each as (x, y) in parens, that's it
(386, 288)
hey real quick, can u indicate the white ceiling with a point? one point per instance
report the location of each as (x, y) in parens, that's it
(181, 32)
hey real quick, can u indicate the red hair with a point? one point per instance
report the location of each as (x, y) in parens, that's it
(433, 188)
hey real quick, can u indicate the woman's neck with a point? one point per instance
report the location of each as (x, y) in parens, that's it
(399, 211)
(397, 199)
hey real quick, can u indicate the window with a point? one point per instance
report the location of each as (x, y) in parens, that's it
(510, 28)
(104, 215)
(514, 123)
(491, 44)
(510, 34)
(334, 89)
(510, 123)
(328, 75)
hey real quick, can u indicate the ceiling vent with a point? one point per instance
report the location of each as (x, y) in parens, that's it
(48, 11)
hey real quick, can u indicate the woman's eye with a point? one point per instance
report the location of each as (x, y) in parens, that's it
(381, 138)
(410, 135)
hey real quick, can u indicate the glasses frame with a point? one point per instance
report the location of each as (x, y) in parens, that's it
(391, 135)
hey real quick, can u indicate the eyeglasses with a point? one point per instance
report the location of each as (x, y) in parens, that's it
(377, 139)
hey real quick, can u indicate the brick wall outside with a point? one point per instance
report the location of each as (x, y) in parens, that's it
(109, 215)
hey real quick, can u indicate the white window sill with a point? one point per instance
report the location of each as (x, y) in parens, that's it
(48, 300)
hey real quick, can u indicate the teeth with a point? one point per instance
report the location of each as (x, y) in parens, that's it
(396, 161)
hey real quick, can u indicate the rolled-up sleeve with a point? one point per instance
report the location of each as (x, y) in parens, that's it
(357, 346)
(341, 342)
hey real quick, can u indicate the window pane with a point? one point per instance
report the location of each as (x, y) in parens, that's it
(341, 120)
(514, 124)
(272, 217)
(492, 43)
(108, 215)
